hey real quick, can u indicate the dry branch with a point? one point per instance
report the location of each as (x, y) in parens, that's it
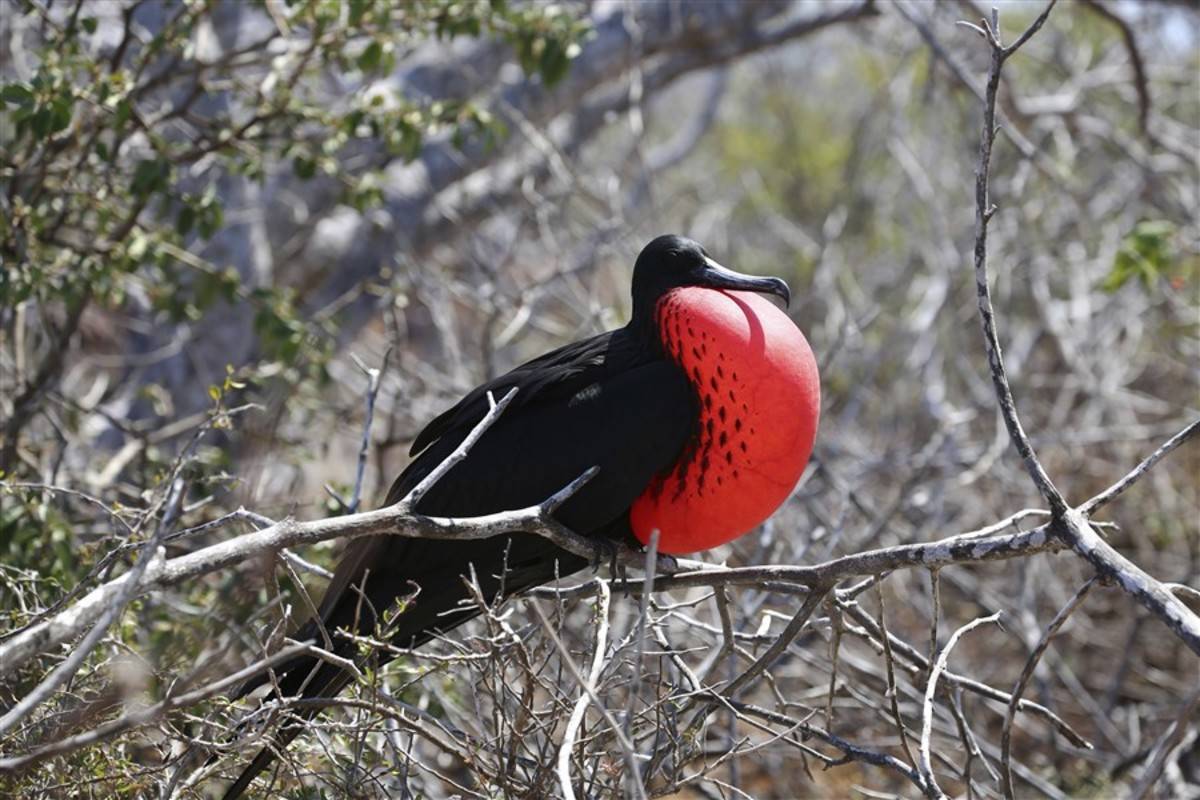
(939, 666)
(1023, 681)
(1070, 525)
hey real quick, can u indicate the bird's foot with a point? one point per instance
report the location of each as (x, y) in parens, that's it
(610, 551)
(617, 568)
(603, 550)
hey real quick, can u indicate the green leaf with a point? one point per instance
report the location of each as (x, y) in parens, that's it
(369, 58)
(89, 24)
(39, 123)
(357, 9)
(212, 216)
(207, 288)
(528, 51)
(554, 62)
(185, 220)
(61, 110)
(150, 175)
(17, 94)
(304, 167)
(1146, 253)
(230, 281)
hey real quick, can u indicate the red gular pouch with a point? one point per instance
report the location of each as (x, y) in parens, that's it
(759, 394)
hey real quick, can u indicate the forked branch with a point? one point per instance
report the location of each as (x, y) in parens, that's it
(1069, 524)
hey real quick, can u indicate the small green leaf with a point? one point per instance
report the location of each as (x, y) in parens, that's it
(212, 216)
(554, 62)
(369, 58)
(184, 220)
(304, 167)
(61, 110)
(149, 176)
(17, 94)
(1146, 253)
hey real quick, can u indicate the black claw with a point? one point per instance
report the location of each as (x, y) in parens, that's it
(618, 569)
(604, 551)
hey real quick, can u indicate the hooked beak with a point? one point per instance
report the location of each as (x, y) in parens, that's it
(717, 277)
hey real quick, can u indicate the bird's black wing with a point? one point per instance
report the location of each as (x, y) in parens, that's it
(602, 402)
(543, 378)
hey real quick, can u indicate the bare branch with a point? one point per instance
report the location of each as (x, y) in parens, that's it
(587, 685)
(396, 520)
(494, 411)
(983, 213)
(1075, 529)
(1166, 744)
(892, 692)
(1135, 60)
(1111, 493)
(373, 381)
(939, 666)
(1023, 681)
(152, 556)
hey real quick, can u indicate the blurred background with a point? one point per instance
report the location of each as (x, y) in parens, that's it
(216, 216)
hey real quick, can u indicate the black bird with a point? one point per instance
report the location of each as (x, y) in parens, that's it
(700, 414)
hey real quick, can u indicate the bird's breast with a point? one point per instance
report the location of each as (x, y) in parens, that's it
(756, 384)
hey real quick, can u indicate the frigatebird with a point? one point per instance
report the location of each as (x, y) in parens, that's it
(700, 414)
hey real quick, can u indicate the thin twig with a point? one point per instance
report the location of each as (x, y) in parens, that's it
(1164, 746)
(920, 663)
(1140, 83)
(152, 554)
(939, 666)
(1023, 681)
(781, 643)
(146, 715)
(494, 411)
(587, 692)
(587, 685)
(635, 687)
(889, 662)
(374, 377)
(935, 611)
(1135, 474)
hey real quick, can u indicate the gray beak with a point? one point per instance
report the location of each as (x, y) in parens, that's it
(718, 277)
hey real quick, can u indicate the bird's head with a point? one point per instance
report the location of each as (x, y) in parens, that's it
(672, 262)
